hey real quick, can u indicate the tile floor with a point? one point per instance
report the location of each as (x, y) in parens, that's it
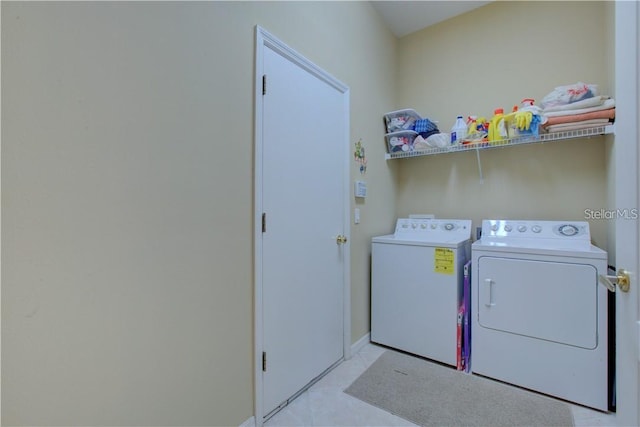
(325, 403)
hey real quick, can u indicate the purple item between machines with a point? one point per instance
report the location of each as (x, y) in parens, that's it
(466, 300)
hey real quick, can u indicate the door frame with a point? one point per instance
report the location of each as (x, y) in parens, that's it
(264, 39)
(626, 163)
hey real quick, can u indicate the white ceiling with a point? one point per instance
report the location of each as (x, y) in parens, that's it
(405, 17)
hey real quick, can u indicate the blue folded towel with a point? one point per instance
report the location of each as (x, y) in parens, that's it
(424, 125)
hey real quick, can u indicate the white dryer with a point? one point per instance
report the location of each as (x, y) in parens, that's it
(416, 285)
(539, 313)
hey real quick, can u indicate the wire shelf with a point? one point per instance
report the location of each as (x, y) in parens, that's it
(547, 137)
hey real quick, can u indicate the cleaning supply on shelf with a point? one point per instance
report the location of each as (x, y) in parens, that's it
(476, 130)
(528, 118)
(472, 122)
(526, 103)
(511, 123)
(458, 131)
(497, 128)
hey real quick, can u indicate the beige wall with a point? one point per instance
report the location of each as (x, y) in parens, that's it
(127, 180)
(493, 57)
(127, 188)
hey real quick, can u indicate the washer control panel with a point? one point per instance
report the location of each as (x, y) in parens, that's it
(537, 233)
(427, 228)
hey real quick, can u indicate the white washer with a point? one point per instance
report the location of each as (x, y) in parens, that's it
(539, 314)
(416, 284)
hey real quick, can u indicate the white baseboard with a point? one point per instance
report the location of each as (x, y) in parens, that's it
(251, 422)
(356, 346)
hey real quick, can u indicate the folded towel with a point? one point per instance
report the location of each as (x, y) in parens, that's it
(563, 127)
(589, 102)
(609, 103)
(424, 125)
(603, 114)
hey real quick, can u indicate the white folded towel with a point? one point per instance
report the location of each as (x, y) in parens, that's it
(578, 125)
(585, 103)
(609, 103)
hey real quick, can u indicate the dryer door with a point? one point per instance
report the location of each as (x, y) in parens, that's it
(553, 301)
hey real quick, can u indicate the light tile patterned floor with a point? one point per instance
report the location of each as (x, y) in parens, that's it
(325, 403)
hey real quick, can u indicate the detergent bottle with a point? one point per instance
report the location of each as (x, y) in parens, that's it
(497, 129)
(527, 102)
(458, 131)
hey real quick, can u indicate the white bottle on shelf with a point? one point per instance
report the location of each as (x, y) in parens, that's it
(458, 131)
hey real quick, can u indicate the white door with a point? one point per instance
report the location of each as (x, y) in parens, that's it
(627, 16)
(304, 198)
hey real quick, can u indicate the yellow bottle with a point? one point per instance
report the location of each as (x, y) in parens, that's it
(497, 128)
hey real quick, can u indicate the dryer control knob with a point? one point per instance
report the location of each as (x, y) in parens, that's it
(448, 227)
(536, 229)
(494, 227)
(508, 228)
(522, 228)
(568, 230)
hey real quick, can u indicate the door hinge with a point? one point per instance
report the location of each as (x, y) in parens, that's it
(264, 84)
(264, 361)
(264, 222)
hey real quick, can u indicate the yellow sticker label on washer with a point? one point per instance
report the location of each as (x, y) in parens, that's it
(443, 261)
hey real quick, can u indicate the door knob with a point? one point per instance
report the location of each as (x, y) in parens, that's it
(621, 279)
(341, 240)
